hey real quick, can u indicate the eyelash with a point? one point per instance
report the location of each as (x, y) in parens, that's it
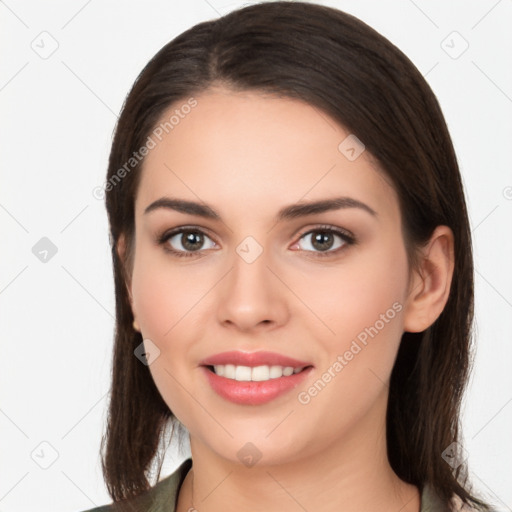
(347, 237)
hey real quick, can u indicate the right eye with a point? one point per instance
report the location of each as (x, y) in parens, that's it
(184, 242)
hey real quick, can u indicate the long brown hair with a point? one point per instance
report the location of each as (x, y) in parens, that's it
(338, 64)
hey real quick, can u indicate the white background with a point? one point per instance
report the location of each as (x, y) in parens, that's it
(58, 114)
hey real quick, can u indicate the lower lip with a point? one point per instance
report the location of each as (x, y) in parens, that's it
(253, 393)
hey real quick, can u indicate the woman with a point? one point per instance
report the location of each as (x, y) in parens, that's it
(293, 272)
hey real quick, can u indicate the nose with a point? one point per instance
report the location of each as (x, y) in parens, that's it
(251, 297)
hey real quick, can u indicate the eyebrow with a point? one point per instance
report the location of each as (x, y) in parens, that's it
(289, 212)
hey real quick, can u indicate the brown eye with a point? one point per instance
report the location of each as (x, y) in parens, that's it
(325, 241)
(190, 240)
(185, 242)
(322, 240)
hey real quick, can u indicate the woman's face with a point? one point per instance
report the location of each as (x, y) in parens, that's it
(250, 280)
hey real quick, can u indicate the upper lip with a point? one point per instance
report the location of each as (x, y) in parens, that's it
(253, 359)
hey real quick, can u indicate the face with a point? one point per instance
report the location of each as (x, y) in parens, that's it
(243, 272)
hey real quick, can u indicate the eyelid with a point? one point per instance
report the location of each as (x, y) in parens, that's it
(348, 238)
(345, 233)
(169, 233)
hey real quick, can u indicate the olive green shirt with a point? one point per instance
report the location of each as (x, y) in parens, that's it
(164, 495)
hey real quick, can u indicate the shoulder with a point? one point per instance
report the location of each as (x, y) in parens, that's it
(161, 497)
(430, 502)
(459, 506)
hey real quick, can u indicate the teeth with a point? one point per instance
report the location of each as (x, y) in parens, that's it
(260, 373)
(229, 371)
(243, 373)
(256, 374)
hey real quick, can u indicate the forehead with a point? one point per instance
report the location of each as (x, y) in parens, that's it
(257, 150)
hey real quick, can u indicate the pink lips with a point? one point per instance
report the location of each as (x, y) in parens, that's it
(248, 392)
(253, 359)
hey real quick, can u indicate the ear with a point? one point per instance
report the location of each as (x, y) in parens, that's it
(126, 271)
(123, 258)
(430, 284)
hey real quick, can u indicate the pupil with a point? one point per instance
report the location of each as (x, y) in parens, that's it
(322, 241)
(191, 239)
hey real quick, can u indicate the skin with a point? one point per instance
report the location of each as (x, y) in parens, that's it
(248, 155)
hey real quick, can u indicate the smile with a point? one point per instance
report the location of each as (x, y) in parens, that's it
(254, 374)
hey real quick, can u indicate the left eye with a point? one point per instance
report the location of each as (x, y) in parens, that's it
(324, 240)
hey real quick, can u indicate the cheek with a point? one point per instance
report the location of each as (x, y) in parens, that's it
(362, 304)
(357, 292)
(163, 299)
(380, 284)
(152, 300)
(163, 292)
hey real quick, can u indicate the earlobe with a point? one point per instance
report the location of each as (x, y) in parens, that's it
(430, 287)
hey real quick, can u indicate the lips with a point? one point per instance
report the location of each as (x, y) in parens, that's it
(253, 359)
(251, 392)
